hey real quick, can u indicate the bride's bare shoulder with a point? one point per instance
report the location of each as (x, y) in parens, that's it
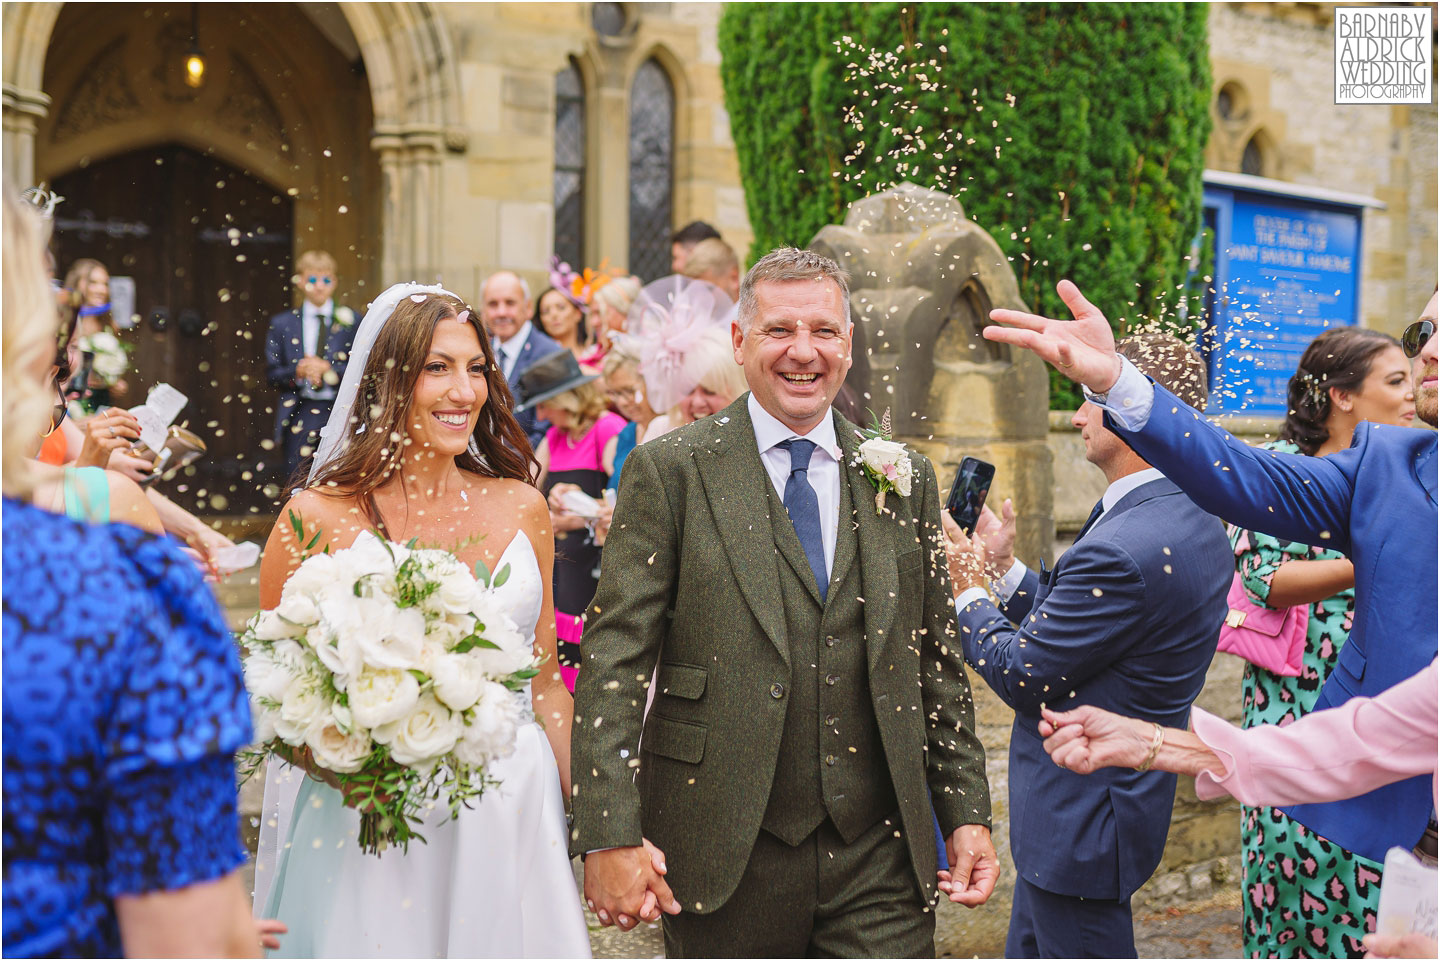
(333, 517)
(523, 500)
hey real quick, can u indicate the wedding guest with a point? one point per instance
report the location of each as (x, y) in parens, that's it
(684, 240)
(121, 717)
(748, 562)
(1128, 620)
(714, 260)
(610, 307)
(506, 309)
(625, 389)
(563, 321)
(1316, 500)
(713, 380)
(101, 380)
(306, 350)
(1327, 755)
(1346, 375)
(578, 450)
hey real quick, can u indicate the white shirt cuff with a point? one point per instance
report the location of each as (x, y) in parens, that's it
(1130, 400)
(969, 596)
(1009, 582)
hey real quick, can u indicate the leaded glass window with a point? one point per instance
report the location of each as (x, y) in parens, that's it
(570, 166)
(652, 170)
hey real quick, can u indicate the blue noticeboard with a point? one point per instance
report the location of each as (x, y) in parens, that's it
(1286, 268)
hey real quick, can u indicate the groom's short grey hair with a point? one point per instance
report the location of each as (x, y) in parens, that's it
(782, 265)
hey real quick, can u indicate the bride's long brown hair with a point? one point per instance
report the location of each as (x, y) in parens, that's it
(370, 457)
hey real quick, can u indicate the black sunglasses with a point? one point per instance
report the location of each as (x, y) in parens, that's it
(1416, 336)
(58, 411)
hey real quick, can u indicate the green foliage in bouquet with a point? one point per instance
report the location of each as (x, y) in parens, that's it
(1073, 133)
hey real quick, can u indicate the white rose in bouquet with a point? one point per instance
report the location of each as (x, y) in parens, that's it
(298, 610)
(335, 750)
(316, 573)
(301, 704)
(420, 738)
(494, 719)
(458, 679)
(381, 696)
(456, 583)
(270, 626)
(265, 678)
(890, 460)
(383, 634)
(514, 651)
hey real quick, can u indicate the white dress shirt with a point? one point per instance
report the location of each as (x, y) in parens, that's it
(311, 319)
(1009, 583)
(824, 471)
(509, 350)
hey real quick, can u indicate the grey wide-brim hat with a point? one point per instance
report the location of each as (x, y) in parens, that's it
(549, 376)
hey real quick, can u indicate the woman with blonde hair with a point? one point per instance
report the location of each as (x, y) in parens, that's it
(714, 381)
(123, 706)
(578, 451)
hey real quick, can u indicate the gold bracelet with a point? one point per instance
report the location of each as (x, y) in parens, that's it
(1156, 742)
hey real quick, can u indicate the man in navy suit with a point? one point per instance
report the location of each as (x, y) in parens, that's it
(1375, 503)
(1127, 621)
(507, 309)
(305, 354)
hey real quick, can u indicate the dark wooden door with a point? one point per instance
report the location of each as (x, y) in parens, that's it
(209, 248)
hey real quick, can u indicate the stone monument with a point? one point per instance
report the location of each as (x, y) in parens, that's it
(923, 279)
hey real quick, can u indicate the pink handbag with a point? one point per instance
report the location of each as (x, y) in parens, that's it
(1268, 638)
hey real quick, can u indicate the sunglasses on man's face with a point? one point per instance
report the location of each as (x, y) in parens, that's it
(321, 281)
(1416, 336)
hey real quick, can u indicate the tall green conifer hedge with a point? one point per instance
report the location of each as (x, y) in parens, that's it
(1099, 113)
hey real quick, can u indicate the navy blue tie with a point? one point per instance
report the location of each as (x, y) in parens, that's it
(804, 509)
(1095, 513)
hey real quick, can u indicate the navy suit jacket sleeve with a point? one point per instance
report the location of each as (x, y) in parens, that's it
(279, 368)
(1024, 597)
(1291, 496)
(1094, 613)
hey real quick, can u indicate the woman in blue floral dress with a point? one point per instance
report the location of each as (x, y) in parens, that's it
(123, 704)
(1303, 896)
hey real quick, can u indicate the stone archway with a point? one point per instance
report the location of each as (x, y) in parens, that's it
(413, 79)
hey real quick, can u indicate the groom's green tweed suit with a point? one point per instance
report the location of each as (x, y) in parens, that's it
(771, 709)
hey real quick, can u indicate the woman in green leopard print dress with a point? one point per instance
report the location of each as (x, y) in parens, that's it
(1303, 896)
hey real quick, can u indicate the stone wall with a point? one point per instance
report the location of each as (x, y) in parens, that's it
(1277, 64)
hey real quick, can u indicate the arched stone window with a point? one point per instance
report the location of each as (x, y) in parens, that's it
(1252, 160)
(652, 170)
(570, 166)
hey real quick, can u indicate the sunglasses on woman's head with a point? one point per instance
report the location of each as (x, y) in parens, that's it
(1416, 336)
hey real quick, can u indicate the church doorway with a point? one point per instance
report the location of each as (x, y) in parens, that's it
(208, 247)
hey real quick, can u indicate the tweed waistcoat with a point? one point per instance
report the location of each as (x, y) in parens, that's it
(831, 757)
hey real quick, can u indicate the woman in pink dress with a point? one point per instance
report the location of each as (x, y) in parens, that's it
(579, 450)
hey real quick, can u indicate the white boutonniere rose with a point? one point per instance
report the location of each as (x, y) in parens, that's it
(344, 316)
(886, 462)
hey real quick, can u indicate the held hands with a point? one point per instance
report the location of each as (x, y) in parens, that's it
(626, 884)
(1089, 738)
(974, 867)
(1082, 349)
(312, 369)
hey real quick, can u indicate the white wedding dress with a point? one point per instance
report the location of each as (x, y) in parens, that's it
(494, 882)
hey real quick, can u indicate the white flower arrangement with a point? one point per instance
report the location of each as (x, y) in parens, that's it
(111, 357)
(886, 462)
(397, 670)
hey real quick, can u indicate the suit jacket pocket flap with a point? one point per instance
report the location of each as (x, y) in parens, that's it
(909, 561)
(682, 680)
(670, 738)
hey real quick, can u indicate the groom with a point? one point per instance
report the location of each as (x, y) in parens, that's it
(810, 701)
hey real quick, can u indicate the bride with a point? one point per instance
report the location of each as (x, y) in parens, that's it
(422, 444)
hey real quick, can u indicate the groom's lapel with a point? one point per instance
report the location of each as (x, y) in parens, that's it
(736, 485)
(877, 544)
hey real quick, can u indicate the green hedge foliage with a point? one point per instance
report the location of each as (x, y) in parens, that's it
(1074, 133)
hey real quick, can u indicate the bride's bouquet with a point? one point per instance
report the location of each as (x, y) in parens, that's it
(395, 670)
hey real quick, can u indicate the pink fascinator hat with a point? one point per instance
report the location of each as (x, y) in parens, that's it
(670, 317)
